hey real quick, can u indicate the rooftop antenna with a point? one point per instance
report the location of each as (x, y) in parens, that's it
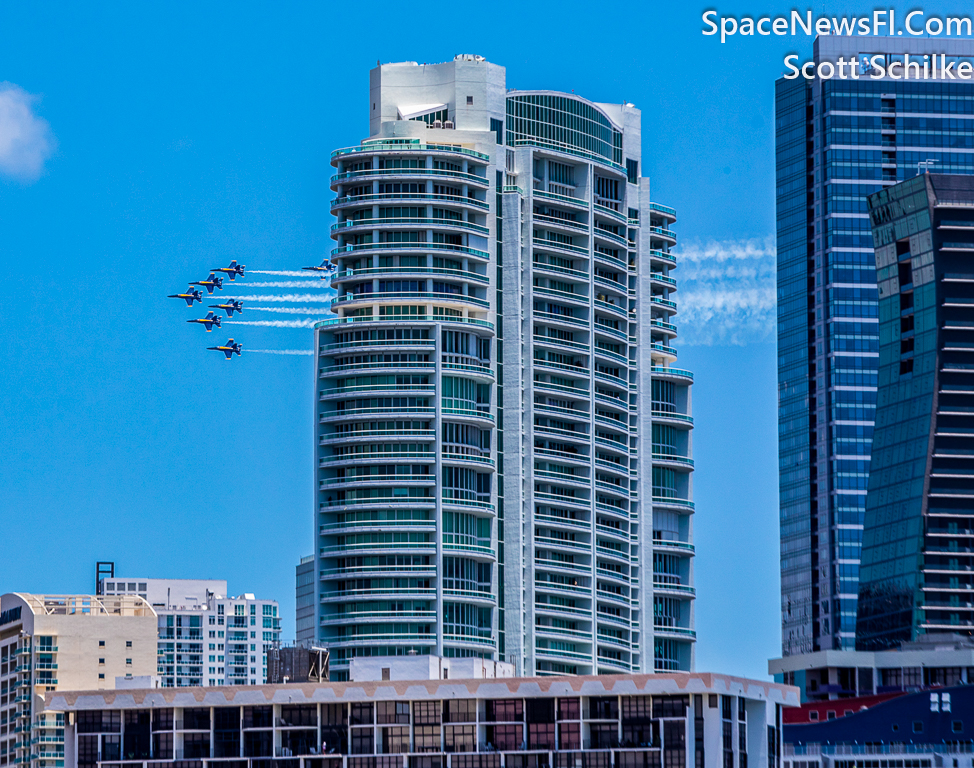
(103, 569)
(924, 166)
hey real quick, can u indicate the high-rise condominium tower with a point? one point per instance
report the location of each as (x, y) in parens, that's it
(503, 342)
(837, 141)
(917, 556)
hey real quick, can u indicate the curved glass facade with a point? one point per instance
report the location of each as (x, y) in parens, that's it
(564, 123)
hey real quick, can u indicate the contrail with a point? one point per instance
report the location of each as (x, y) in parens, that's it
(309, 323)
(728, 292)
(282, 273)
(295, 310)
(292, 284)
(283, 351)
(314, 297)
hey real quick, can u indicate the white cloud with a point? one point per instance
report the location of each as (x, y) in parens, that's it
(26, 140)
(726, 292)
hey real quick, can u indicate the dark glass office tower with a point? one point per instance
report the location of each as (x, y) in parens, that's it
(838, 141)
(917, 558)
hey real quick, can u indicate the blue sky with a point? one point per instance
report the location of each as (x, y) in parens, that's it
(180, 137)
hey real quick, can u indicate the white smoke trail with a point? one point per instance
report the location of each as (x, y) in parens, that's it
(319, 283)
(295, 310)
(308, 323)
(283, 273)
(726, 292)
(295, 297)
(283, 351)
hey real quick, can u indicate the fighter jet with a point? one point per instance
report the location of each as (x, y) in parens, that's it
(233, 270)
(191, 295)
(230, 306)
(228, 349)
(210, 283)
(326, 266)
(209, 321)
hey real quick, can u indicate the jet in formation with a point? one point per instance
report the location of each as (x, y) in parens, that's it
(210, 283)
(209, 321)
(326, 266)
(233, 270)
(191, 295)
(229, 348)
(230, 306)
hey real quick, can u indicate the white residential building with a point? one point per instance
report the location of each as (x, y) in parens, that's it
(204, 636)
(503, 440)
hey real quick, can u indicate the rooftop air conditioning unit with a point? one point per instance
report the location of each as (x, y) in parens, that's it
(438, 124)
(448, 124)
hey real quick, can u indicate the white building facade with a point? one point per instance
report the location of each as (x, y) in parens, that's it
(204, 636)
(503, 340)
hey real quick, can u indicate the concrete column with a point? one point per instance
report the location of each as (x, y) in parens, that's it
(438, 486)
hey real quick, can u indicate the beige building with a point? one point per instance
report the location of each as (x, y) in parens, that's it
(63, 642)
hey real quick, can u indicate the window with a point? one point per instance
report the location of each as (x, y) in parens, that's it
(362, 714)
(101, 675)
(128, 662)
(957, 726)
(385, 673)
(460, 710)
(128, 643)
(392, 712)
(469, 100)
(460, 738)
(426, 738)
(101, 643)
(918, 726)
(813, 715)
(568, 709)
(101, 662)
(426, 712)
(632, 171)
(505, 710)
(394, 740)
(362, 741)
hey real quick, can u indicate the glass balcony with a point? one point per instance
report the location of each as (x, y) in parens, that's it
(397, 147)
(348, 201)
(663, 210)
(416, 222)
(470, 178)
(410, 319)
(426, 247)
(682, 505)
(460, 273)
